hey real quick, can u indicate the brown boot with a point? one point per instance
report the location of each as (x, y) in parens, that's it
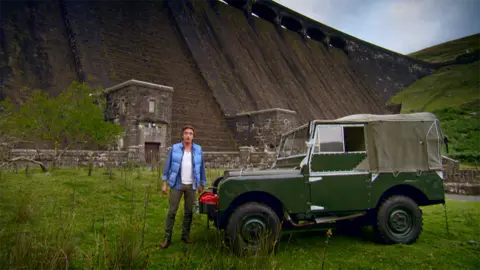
(165, 243)
(187, 240)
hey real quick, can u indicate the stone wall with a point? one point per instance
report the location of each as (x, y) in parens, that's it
(386, 72)
(245, 158)
(223, 160)
(466, 182)
(74, 158)
(252, 64)
(34, 48)
(262, 160)
(142, 42)
(262, 129)
(91, 53)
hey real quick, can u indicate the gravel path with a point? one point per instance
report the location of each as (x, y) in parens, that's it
(458, 197)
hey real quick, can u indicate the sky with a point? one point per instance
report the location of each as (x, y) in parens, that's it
(403, 26)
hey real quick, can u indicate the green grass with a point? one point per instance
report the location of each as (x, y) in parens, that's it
(450, 86)
(69, 218)
(462, 126)
(449, 50)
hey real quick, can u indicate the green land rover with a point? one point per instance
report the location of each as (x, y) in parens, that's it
(363, 169)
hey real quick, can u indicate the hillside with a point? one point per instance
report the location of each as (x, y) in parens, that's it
(450, 86)
(449, 50)
(453, 94)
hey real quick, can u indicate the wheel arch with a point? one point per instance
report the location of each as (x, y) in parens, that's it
(406, 190)
(253, 196)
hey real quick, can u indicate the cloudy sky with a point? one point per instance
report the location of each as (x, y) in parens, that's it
(403, 26)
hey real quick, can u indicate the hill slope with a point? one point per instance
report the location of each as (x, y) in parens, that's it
(453, 94)
(449, 50)
(450, 86)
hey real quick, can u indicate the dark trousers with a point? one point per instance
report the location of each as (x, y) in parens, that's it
(189, 199)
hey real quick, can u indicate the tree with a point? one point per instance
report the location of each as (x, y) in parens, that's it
(74, 117)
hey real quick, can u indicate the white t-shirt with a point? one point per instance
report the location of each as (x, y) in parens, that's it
(187, 177)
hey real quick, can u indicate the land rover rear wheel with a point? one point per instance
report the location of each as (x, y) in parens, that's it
(253, 228)
(399, 220)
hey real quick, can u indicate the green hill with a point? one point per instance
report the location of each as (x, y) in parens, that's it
(449, 50)
(450, 86)
(453, 94)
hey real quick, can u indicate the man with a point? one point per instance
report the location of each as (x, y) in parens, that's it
(184, 172)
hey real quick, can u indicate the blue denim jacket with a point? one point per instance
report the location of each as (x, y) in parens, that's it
(173, 166)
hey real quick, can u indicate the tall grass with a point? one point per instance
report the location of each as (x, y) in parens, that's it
(69, 220)
(34, 237)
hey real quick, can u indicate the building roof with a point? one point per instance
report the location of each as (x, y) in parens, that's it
(134, 82)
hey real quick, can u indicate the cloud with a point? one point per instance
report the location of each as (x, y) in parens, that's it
(402, 26)
(399, 25)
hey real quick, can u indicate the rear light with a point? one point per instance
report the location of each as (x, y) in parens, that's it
(209, 198)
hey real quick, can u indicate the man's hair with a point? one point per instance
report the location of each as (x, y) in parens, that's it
(188, 127)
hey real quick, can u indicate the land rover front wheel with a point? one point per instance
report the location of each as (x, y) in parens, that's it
(399, 220)
(253, 228)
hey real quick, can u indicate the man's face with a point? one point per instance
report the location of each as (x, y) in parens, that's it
(187, 135)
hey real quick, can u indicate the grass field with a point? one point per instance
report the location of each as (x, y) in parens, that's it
(68, 218)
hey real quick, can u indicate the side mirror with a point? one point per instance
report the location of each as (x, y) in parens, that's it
(445, 141)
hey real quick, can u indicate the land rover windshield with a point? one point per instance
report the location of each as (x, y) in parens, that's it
(293, 148)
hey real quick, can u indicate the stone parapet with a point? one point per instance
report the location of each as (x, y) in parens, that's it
(466, 182)
(245, 158)
(464, 188)
(74, 158)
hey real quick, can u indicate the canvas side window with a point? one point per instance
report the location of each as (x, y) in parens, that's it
(354, 139)
(329, 139)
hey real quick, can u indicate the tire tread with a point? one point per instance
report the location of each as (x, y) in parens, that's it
(380, 233)
(237, 214)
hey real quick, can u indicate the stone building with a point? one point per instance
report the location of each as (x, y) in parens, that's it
(145, 111)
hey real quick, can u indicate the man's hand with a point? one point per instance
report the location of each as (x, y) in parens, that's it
(200, 189)
(164, 188)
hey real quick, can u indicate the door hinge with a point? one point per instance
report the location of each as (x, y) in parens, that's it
(314, 179)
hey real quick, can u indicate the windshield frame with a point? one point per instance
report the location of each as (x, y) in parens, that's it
(290, 137)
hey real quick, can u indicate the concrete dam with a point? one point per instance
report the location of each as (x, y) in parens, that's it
(233, 66)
